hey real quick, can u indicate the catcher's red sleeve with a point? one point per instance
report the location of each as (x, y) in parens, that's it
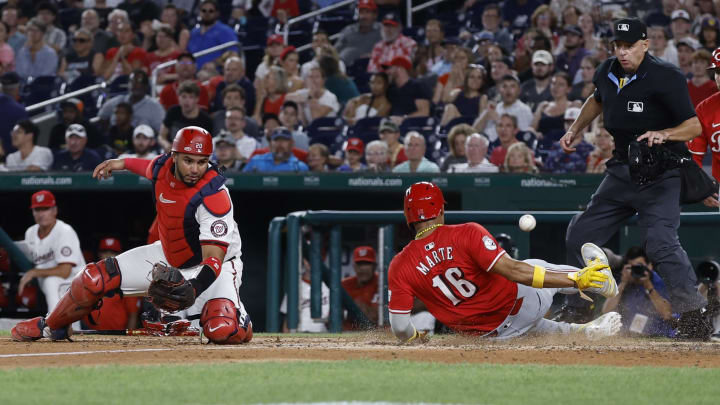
(138, 166)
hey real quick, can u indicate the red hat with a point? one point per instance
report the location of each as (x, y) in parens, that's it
(364, 254)
(715, 60)
(110, 244)
(286, 51)
(193, 141)
(275, 39)
(391, 18)
(367, 4)
(402, 62)
(355, 144)
(42, 199)
(423, 201)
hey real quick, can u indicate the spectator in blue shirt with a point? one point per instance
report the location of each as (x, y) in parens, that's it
(280, 158)
(12, 111)
(76, 158)
(209, 33)
(36, 58)
(642, 297)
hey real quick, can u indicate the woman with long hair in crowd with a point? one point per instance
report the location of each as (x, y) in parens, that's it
(549, 120)
(709, 33)
(519, 159)
(604, 145)
(544, 21)
(336, 81)
(270, 95)
(466, 100)
(171, 16)
(373, 104)
(455, 78)
(289, 59)
(581, 91)
(591, 41)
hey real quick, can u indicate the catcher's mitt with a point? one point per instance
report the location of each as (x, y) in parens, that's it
(169, 290)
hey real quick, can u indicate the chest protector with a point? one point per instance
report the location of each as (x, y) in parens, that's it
(176, 205)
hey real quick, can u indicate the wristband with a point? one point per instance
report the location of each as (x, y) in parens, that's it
(538, 277)
(208, 274)
(214, 263)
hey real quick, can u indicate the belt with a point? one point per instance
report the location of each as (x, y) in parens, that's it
(513, 311)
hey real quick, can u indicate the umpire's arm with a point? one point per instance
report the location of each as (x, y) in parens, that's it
(689, 129)
(589, 111)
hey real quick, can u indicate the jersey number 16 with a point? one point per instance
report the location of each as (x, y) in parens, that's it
(454, 277)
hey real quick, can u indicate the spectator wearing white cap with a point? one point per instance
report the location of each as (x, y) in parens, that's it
(476, 147)
(226, 153)
(144, 143)
(680, 27)
(28, 157)
(536, 90)
(76, 158)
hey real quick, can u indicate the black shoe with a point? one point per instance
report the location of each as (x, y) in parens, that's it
(694, 325)
(573, 314)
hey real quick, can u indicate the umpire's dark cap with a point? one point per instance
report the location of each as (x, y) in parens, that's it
(629, 30)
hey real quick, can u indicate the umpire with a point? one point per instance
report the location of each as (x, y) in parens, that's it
(639, 94)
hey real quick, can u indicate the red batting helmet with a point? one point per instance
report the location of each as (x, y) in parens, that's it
(193, 141)
(423, 201)
(715, 60)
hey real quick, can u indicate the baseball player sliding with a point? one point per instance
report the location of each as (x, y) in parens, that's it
(468, 283)
(199, 241)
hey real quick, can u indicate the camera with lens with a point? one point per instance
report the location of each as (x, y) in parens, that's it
(707, 272)
(639, 270)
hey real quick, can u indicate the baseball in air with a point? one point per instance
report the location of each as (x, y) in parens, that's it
(527, 222)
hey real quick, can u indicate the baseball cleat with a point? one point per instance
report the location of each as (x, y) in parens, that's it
(28, 331)
(606, 325)
(593, 255)
(715, 337)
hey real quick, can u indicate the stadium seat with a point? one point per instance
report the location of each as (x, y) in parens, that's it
(528, 138)
(118, 86)
(423, 125)
(365, 129)
(358, 72)
(456, 121)
(326, 130)
(40, 89)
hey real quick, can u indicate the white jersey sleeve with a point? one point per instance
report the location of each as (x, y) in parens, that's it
(217, 224)
(66, 246)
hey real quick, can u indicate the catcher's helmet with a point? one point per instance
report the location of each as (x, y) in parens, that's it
(423, 201)
(193, 141)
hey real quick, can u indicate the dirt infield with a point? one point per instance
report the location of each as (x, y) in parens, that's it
(139, 350)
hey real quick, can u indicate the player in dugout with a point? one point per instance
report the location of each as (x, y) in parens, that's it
(647, 109)
(472, 286)
(199, 240)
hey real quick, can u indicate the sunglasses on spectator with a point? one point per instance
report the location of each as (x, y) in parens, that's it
(81, 39)
(207, 10)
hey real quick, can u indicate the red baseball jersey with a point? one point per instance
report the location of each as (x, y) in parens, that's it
(708, 113)
(449, 272)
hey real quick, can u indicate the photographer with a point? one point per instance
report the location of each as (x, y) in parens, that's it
(709, 288)
(642, 297)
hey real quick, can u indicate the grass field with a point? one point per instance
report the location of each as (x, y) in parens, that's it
(349, 372)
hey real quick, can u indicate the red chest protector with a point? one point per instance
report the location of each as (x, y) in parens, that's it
(176, 204)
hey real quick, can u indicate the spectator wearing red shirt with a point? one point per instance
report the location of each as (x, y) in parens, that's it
(290, 7)
(507, 130)
(116, 312)
(363, 286)
(700, 86)
(123, 59)
(393, 44)
(185, 69)
(167, 50)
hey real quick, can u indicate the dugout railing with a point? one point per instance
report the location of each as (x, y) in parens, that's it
(332, 221)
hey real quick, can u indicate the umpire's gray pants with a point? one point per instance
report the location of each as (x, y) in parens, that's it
(658, 209)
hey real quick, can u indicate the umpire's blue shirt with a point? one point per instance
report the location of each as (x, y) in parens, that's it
(653, 98)
(266, 163)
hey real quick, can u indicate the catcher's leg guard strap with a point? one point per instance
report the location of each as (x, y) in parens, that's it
(86, 290)
(223, 324)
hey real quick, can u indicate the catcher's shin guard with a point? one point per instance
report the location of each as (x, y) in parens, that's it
(86, 290)
(223, 324)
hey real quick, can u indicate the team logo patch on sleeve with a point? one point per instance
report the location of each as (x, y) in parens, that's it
(219, 228)
(489, 243)
(66, 251)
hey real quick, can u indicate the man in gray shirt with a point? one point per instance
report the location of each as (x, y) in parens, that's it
(145, 109)
(357, 40)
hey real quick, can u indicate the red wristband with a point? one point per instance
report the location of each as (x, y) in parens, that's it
(214, 263)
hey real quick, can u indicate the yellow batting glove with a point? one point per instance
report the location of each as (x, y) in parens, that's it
(589, 276)
(418, 337)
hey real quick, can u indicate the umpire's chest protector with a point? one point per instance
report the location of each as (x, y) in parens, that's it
(654, 98)
(176, 205)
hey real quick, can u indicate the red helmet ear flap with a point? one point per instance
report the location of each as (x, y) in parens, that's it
(193, 141)
(423, 201)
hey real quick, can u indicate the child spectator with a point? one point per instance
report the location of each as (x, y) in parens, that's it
(121, 133)
(353, 155)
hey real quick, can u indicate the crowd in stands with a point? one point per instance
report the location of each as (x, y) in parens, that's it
(473, 86)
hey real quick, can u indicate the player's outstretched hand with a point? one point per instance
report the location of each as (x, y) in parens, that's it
(104, 170)
(420, 337)
(569, 141)
(589, 276)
